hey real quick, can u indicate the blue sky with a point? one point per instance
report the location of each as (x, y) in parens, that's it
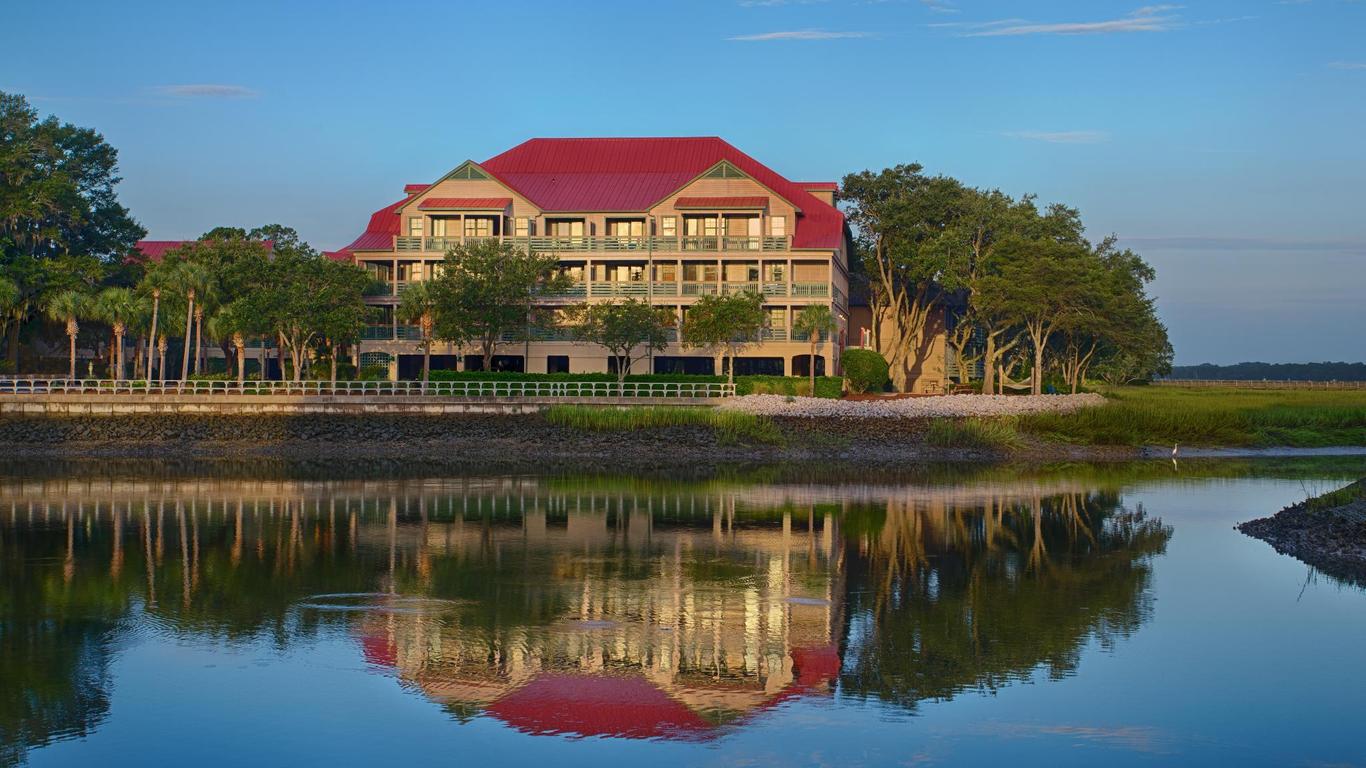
(1223, 139)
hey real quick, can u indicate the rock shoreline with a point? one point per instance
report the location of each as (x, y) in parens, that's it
(1332, 538)
(478, 438)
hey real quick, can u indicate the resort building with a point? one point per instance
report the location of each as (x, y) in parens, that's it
(666, 220)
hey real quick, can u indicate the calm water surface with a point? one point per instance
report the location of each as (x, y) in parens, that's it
(152, 616)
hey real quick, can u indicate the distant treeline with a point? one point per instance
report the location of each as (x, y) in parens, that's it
(1272, 372)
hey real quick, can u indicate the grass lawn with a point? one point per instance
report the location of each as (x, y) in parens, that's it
(1210, 417)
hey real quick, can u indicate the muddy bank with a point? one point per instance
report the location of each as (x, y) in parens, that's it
(483, 438)
(1327, 532)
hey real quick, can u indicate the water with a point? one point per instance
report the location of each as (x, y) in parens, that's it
(255, 614)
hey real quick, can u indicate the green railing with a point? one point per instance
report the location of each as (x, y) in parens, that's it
(808, 290)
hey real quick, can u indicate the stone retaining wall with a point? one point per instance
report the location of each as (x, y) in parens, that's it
(223, 404)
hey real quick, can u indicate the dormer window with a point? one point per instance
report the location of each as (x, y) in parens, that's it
(777, 226)
(414, 226)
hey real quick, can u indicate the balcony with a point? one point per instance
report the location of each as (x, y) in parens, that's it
(609, 244)
(810, 290)
(390, 333)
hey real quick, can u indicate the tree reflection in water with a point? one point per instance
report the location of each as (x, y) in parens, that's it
(586, 606)
(946, 598)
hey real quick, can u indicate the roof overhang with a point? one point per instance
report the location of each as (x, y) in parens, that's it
(495, 204)
(754, 203)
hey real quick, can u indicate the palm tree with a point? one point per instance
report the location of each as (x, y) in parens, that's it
(206, 305)
(67, 307)
(813, 321)
(417, 304)
(161, 358)
(154, 281)
(190, 278)
(118, 307)
(230, 324)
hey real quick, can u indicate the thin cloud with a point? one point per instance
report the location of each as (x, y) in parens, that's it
(1149, 18)
(1061, 137)
(1350, 65)
(776, 3)
(939, 6)
(798, 34)
(207, 91)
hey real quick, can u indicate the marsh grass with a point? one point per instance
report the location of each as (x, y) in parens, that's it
(1341, 497)
(976, 434)
(1210, 417)
(731, 427)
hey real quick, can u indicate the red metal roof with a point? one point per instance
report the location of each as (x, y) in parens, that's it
(824, 186)
(466, 203)
(627, 175)
(155, 250)
(718, 203)
(413, 189)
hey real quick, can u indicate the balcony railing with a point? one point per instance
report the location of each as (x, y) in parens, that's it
(618, 288)
(607, 243)
(709, 288)
(810, 290)
(391, 333)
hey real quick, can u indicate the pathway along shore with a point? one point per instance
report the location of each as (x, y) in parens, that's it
(1327, 532)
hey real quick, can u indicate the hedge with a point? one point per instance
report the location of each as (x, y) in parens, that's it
(826, 386)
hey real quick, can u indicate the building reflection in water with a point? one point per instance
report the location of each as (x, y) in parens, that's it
(573, 605)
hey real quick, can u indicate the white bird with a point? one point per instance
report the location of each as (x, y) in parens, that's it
(1175, 448)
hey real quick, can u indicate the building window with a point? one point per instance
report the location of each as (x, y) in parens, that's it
(566, 228)
(777, 225)
(700, 226)
(625, 227)
(668, 226)
(478, 226)
(557, 364)
(438, 227)
(696, 273)
(522, 227)
(777, 317)
(415, 226)
(777, 273)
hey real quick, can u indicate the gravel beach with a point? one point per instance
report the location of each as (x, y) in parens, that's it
(949, 406)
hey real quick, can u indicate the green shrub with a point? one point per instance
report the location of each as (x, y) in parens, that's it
(865, 370)
(375, 373)
(826, 386)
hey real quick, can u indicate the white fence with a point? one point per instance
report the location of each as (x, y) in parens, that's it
(471, 388)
